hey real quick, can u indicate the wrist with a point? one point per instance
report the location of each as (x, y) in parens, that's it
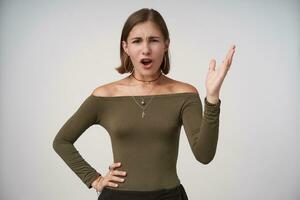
(96, 181)
(212, 99)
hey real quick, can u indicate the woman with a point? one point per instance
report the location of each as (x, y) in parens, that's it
(143, 114)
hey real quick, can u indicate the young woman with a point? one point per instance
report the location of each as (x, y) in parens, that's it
(143, 114)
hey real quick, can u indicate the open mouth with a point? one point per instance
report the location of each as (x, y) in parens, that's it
(146, 62)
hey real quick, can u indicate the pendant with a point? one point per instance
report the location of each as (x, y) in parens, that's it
(143, 114)
(143, 102)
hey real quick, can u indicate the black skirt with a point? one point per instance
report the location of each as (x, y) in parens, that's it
(176, 193)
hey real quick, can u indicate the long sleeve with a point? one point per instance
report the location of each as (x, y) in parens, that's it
(85, 116)
(202, 129)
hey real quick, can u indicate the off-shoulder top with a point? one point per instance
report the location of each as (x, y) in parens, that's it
(146, 146)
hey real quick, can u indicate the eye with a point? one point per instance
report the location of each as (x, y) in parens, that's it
(136, 41)
(155, 41)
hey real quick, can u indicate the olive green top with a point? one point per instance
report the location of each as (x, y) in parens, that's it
(147, 147)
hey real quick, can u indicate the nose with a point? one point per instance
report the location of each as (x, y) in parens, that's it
(146, 48)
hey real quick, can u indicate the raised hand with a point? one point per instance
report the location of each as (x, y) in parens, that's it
(215, 77)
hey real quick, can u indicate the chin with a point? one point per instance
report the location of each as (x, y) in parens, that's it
(151, 70)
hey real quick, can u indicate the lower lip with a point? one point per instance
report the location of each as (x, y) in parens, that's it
(148, 66)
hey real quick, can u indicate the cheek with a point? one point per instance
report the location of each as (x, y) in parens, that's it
(158, 53)
(133, 53)
(158, 48)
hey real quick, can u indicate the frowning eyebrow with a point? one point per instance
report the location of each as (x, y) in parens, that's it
(150, 37)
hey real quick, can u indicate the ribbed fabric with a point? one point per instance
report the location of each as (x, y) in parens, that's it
(147, 147)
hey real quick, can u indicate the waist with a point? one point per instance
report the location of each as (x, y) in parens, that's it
(142, 192)
(147, 176)
(143, 184)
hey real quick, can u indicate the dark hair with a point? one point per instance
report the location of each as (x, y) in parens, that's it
(143, 15)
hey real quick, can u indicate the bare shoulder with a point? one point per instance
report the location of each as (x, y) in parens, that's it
(180, 86)
(110, 89)
(116, 88)
(104, 90)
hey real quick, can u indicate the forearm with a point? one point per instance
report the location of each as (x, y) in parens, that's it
(207, 139)
(202, 128)
(74, 160)
(205, 147)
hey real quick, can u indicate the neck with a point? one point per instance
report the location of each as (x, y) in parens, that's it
(143, 81)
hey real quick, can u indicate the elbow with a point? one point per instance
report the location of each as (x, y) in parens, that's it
(61, 145)
(205, 159)
(57, 145)
(206, 162)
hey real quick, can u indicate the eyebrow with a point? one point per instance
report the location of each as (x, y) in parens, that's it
(151, 37)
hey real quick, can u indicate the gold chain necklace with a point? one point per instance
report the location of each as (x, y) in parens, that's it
(143, 106)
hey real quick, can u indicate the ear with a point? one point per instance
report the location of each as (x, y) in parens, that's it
(125, 48)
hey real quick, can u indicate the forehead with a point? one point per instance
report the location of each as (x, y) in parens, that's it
(145, 29)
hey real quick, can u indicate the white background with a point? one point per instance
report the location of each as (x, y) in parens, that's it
(54, 53)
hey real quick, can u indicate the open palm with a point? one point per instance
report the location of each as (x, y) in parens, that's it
(215, 78)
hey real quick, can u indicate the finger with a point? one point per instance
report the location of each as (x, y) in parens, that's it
(225, 62)
(121, 173)
(212, 65)
(114, 165)
(231, 58)
(111, 184)
(115, 178)
(228, 63)
(230, 54)
(116, 173)
(224, 67)
(232, 47)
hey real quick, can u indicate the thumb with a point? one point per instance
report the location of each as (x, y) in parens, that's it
(212, 65)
